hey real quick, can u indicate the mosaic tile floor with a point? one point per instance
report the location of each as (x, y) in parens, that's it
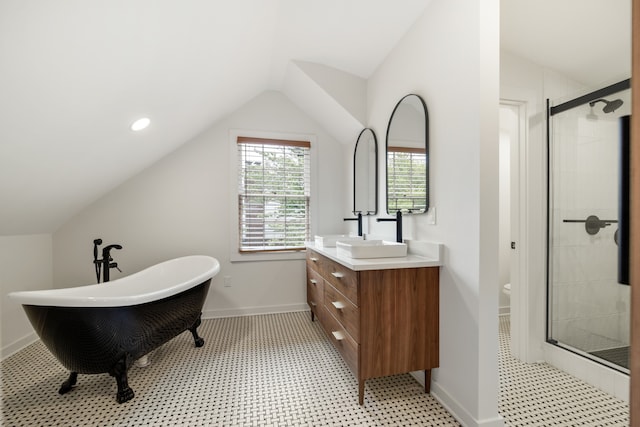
(277, 370)
(541, 395)
(252, 371)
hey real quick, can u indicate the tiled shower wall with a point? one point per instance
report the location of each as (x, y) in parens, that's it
(590, 310)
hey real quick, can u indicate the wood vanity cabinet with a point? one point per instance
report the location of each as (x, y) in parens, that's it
(383, 322)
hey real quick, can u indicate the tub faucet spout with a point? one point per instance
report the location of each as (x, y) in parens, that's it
(107, 249)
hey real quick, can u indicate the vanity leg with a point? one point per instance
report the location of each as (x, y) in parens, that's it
(361, 392)
(427, 381)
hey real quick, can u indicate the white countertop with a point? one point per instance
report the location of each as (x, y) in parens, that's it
(409, 261)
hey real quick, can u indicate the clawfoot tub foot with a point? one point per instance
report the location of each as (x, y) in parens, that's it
(198, 340)
(119, 372)
(69, 383)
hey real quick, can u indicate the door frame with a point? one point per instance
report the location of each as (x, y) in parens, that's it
(520, 303)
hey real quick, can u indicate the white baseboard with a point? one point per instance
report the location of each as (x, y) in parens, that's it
(19, 344)
(252, 311)
(456, 410)
(505, 310)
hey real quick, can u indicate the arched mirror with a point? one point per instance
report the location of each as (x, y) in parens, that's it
(365, 174)
(408, 157)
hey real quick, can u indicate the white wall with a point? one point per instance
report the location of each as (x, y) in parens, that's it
(180, 206)
(522, 81)
(450, 58)
(25, 264)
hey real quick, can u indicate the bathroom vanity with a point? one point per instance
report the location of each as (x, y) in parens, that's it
(381, 314)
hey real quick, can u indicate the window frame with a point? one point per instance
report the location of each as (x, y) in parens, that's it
(234, 247)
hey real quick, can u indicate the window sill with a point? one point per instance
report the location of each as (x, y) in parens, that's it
(268, 256)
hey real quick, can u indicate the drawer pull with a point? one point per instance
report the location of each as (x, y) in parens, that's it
(314, 259)
(339, 336)
(337, 275)
(338, 304)
(313, 281)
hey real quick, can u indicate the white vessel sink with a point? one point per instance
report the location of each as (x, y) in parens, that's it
(329, 241)
(371, 249)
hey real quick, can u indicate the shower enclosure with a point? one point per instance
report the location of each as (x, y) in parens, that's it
(588, 311)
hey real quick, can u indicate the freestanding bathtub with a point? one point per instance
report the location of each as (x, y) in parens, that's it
(106, 327)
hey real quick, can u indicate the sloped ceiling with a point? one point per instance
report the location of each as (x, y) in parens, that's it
(586, 40)
(335, 99)
(75, 74)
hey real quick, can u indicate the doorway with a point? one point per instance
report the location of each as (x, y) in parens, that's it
(511, 286)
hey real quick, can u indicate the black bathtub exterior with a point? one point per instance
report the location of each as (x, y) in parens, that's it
(93, 340)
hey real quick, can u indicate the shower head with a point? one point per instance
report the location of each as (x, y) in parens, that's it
(610, 106)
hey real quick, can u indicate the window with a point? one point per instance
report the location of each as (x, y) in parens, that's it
(273, 194)
(406, 178)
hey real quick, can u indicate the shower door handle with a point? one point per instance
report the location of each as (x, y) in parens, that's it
(593, 224)
(623, 201)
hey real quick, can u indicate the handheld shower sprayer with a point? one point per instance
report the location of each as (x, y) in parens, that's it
(96, 263)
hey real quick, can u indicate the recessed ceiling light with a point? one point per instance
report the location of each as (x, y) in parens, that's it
(140, 124)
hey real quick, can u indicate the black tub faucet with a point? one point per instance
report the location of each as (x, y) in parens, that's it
(359, 219)
(106, 260)
(105, 263)
(398, 220)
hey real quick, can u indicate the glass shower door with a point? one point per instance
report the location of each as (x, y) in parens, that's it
(588, 311)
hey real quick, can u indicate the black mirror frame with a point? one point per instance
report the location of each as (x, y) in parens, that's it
(426, 146)
(355, 150)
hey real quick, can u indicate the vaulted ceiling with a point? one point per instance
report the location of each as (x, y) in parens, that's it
(75, 74)
(589, 41)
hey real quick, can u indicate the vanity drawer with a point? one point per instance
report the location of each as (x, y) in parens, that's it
(342, 278)
(314, 261)
(315, 285)
(343, 310)
(341, 340)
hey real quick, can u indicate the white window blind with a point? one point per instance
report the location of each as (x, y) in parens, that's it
(406, 179)
(273, 194)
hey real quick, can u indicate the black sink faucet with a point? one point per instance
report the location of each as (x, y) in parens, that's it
(359, 219)
(398, 220)
(105, 263)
